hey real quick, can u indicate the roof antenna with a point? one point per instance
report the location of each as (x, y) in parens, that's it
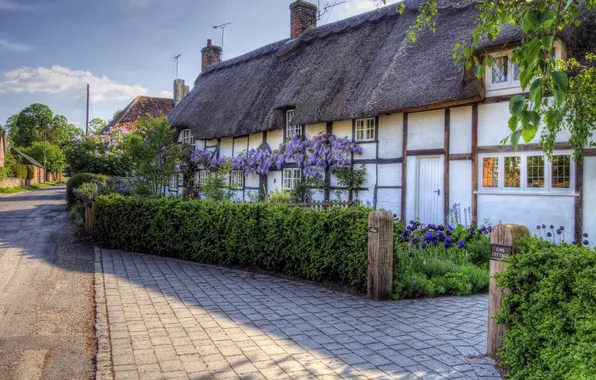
(328, 8)
(223, 33)
(177, 59)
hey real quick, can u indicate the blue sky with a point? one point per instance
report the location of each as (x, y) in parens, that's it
(50, 49)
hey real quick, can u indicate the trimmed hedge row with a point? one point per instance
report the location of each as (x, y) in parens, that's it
(326, 245)
(77, 180)
(551, 311)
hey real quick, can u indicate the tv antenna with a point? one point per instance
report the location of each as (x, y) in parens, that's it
(223, 32)
(177, 58)
(328, 8)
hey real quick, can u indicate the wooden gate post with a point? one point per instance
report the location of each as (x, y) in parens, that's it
(380, 255)
(503, 240)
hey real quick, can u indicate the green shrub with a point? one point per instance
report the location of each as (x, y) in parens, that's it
(3, 174)
(20, 171)
(436, 271)
(30, 172)
(551, 311)
(77, 180)
(326, 245)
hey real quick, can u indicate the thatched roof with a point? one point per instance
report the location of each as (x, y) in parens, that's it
(141, 106)
(358, 67)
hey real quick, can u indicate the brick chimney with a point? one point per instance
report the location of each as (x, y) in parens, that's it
(211, 55)
(303, 17)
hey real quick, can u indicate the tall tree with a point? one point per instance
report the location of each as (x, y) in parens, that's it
(97, 125)
(561, 94)
(38, 123)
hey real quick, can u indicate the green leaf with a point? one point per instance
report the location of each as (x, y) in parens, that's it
(516, 105)
(546, 18)
(530, 118)
(489, 60)
(515, 139)
(513, 121)
(528, 132)
(456, 47)
(559, 96)
(560, 80)
(468, 51)
(537, 92)
(479, 71)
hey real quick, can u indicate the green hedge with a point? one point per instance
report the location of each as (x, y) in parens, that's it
(77, 180)
(30, 171)
(20, 171)
(316, 245)
(551, 311)
(3, 173)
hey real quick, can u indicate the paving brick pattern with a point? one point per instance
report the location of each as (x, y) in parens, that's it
(171, 319)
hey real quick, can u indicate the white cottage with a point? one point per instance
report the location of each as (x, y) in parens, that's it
(430, 131)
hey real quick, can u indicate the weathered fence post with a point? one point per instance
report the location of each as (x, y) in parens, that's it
(89, 218)
(503, 240)
(380, 255)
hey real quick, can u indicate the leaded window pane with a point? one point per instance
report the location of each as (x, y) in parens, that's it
(536, 171)
(500, 70)
(512, 172)
(490, 172)
(561, 172)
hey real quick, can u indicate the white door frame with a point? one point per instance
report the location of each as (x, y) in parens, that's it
(441, 158)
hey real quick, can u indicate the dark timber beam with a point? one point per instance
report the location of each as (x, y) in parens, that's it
(446, 163)
(474, 164)
(404, 168)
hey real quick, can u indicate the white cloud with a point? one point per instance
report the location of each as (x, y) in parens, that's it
(13, 46)
(8, 5)
(59, 79)
(166, 94)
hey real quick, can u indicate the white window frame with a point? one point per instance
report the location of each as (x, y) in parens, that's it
(186, 137)
(292, 129)
(511, 82)
(236, 179)
(203, 175)
(524, 188)
(366, 129)
(174, 182)
(290, 178)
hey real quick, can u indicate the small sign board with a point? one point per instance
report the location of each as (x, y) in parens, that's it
(373, 230)
(498, 252)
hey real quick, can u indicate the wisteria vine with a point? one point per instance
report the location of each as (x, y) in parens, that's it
(314, 156)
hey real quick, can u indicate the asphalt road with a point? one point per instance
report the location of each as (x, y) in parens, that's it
(46, 290)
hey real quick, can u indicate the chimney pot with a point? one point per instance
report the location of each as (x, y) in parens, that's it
(210, 55)
(303, 16)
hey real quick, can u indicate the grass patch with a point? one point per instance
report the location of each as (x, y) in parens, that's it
(39, 186)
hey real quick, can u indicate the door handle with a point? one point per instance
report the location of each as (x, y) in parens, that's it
(438, 192)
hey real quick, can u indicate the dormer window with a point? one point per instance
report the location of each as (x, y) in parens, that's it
(503, 73)
(291, 128)
(186, 137)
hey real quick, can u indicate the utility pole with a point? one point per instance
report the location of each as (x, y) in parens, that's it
(87, 123)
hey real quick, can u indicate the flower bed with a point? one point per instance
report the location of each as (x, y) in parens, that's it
(434, 260)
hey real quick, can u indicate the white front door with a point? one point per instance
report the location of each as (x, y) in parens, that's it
(430, 190)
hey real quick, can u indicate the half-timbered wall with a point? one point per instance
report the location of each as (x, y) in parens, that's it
(452, 136)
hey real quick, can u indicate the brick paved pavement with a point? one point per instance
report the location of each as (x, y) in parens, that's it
(171, 319)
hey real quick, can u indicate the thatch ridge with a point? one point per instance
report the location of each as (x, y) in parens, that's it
(358, 67)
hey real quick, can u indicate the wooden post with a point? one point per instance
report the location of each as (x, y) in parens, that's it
(90, 218)
(503, 241)
(380, 255)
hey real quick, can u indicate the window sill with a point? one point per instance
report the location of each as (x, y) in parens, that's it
(365, 141)
(527, 193)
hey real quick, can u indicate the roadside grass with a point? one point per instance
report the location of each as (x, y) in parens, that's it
(39, 186)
